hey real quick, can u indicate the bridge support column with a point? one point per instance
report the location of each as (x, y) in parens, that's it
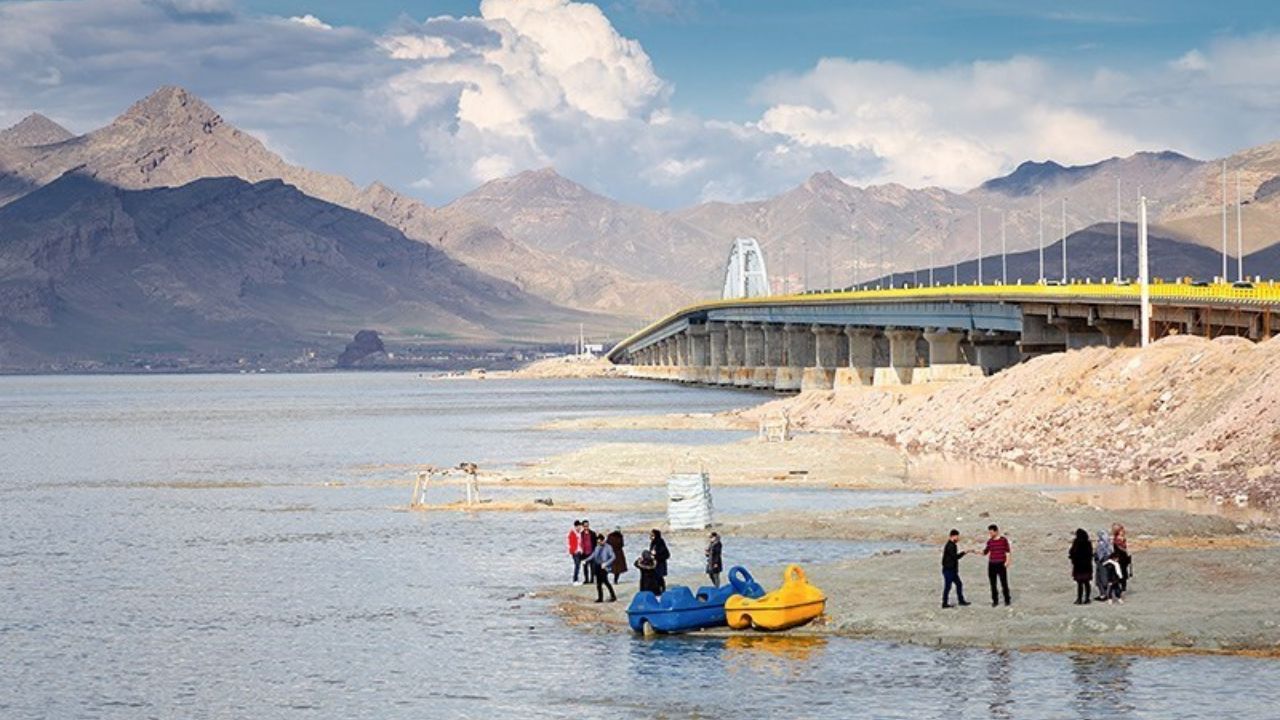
(1077, 333)
(946, 361)
(994, 351)
(826, 358)
(859, 366)
(699, 352)
(902, 357)
(775, 339)
(716, 334)
(752, 357)
(1119, 333)
(734, 340)
(797, 349)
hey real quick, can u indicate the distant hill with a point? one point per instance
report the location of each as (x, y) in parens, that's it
(34, 130)
(172, 137)
(220, 268)
(1091, 254)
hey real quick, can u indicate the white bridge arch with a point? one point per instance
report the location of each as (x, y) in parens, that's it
(745, 275)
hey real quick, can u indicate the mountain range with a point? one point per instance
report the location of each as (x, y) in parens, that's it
(171, 231)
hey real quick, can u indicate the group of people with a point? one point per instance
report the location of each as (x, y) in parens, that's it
(1106, 563)
(597, 556)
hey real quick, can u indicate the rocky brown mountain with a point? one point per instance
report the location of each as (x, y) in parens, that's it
(829, 231)
(171, 138)
(33, 130)
(221, 267)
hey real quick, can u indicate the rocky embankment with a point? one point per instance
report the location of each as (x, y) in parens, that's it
(1186, 412)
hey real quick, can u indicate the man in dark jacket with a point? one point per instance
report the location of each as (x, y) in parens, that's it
(951, 555)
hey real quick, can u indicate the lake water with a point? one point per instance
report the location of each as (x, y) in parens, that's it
(210, 546)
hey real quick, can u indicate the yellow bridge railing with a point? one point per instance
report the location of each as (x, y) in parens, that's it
(1266, 292)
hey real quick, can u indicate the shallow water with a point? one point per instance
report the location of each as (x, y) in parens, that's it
(168, 548)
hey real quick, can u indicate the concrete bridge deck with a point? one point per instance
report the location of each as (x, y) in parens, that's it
(924, 334)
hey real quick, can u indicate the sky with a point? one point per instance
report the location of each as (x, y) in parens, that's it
(667, 103)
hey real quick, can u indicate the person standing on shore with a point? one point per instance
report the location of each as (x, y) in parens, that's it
(587, 547)
(951, 554)
(1081, 555)
(1120, 544)
(1101, 553)
(648, 568)
(1111, 568)
(575, 548)
(661, 555)
(616, 542)
(715, 559)
(999, 558)
(601, 562)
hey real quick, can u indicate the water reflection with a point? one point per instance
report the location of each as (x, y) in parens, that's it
(1000, 673)
(1102, 685)
(762, 650)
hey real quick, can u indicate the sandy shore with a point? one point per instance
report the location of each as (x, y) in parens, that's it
(808, 460)
(1202, 584)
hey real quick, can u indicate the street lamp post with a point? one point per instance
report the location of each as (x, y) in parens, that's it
(1004, 252)
(1064, 240)
(1144, 282)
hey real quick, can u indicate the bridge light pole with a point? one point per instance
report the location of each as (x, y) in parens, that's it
(1144, 310)
(1040, 208)
(930, 266)
(1119, 260)
(1239, 234)
(979, 244)
(1064, 241)
(804, 243)
(1004, 252)
(1224, 221)
(853, 269)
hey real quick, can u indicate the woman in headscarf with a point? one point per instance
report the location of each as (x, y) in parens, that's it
(1120, 543)
(1081, 555)
(661, 554)
(648, 568)
(615, 541)
(1101, 553)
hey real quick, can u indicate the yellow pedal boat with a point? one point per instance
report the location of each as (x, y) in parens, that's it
(792, 605)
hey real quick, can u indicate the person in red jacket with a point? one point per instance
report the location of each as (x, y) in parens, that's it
(587, 547)
(575, 548)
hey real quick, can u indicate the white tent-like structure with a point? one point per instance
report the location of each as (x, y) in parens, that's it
(689, 501)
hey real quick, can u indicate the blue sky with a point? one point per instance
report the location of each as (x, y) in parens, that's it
(715, 52)
(667, 103)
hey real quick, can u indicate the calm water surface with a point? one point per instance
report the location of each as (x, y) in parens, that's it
(169, 548)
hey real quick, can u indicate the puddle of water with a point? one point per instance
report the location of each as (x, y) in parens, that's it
(947, 472)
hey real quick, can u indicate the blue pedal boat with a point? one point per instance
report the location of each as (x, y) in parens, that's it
(680, 610)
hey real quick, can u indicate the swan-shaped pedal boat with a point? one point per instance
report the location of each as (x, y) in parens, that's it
(680, 610)
(792, 605)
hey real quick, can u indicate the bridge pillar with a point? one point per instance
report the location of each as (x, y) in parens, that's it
(859, 364)
(902, 357)
(1039, 336)
(753, 344)
(775, 339)
(1119, 333)
(716, 338)
(944, 346)
(797, 349)
(826, 358)
(946, 359)
(699, 350)
(734, 340)
(1077, 333)
(994, 351)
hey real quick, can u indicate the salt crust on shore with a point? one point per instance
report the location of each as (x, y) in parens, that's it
(1186, 412)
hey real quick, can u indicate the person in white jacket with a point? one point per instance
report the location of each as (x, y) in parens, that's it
(601, 562)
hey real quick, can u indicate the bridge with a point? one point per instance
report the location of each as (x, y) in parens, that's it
(910, 335)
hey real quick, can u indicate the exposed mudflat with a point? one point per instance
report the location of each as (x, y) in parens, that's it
(809, 459)
(1201, 583)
